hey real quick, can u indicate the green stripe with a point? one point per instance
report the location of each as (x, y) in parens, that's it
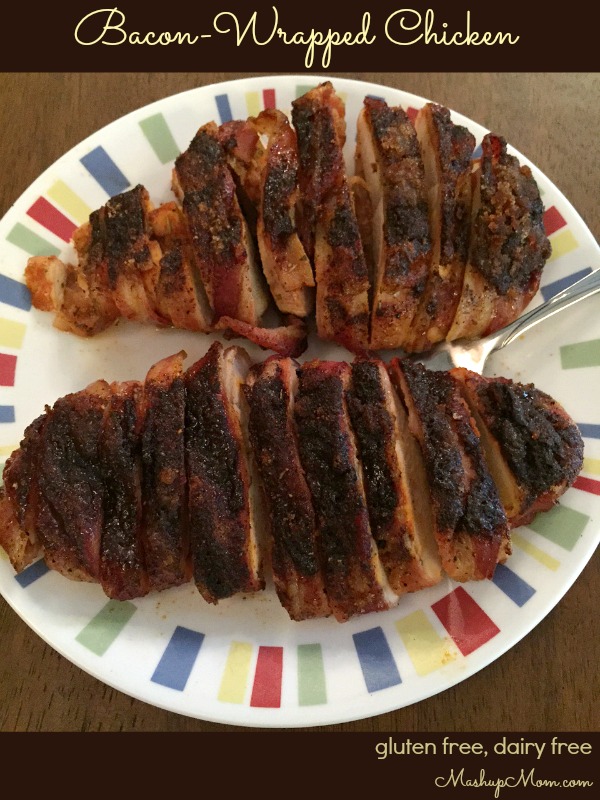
(311, 675)
(103, 629)
(560, 525)
(303, 88)
(582, 354)
(156, 130)
(31, 242)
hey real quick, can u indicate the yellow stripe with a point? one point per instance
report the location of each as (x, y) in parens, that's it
(252, 104)
(563, 243)
(7, 449)
(535, 552)
(11, 333)
(69, 201)
(427, 650)
(235, 676)
(591, 465)
(3, 555)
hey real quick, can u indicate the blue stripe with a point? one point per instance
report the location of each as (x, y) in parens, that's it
(477, 152)
(104, 170)
(14, 293)
(176, 663)
(588, 430)
(376, 97)
(7, 413)
(223, 107)
(376, 660)
(512, 585)
(555, 287)
(32, 573)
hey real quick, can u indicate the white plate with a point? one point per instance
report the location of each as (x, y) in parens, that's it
(244, 662)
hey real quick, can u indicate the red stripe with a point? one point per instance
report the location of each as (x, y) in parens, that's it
(587, 485)
(466, 622)
(266, 690)
(269, 98)
(553, 220)
(411, 113)
(52, 219)
(8, 364)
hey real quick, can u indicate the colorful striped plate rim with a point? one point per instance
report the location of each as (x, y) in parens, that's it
(244, 662)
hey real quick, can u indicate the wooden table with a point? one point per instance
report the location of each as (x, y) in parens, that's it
(547, 682)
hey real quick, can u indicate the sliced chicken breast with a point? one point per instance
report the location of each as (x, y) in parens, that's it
(290, 518)
(355, 580)
(508, 246)
(389, 158)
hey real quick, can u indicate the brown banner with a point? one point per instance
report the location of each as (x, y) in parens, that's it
(485, 765)
(280, 36)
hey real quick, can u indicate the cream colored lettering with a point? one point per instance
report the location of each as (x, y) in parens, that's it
(251, 26)
(405, 17)
(408, 20)
(108, 26)
(115, 22)
(328, 40)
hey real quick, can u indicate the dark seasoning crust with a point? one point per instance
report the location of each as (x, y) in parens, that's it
(273, 443)
(456, 144)
(374, 433)
(510, 244)
(542, 446)
(218, 515)
(328, 458)
(406, 224)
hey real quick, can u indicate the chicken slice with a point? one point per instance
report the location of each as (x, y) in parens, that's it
(222, 244)
(123, 574)
(355, 580)
(508, 248)
(67, 492)
(246, 157)
(118, 258)
(290, 517)
(327, 222)
(222, 505)
(389, 158)
(471, 527)
(533, 448)
(18, 535)
(62, 288)
(267, 177)
(179, 293)
(447, 156)
(395, 480)
(164, 523)
(285, 263)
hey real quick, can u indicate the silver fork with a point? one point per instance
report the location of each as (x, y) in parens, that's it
(474, 354)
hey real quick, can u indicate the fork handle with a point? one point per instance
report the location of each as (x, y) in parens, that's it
(586, 287)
